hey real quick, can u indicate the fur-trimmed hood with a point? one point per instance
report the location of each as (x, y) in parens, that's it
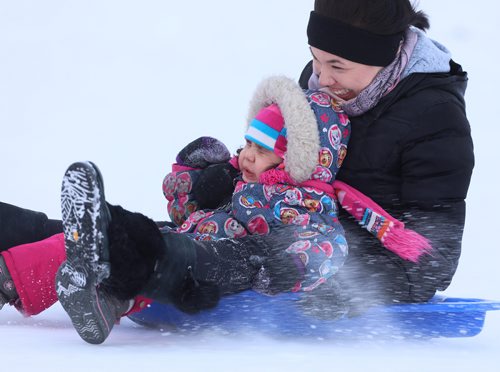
(317, 129)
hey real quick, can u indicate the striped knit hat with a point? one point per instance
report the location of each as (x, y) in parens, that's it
(268, 130)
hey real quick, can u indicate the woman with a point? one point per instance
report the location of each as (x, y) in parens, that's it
(404, 115)
(410, 150)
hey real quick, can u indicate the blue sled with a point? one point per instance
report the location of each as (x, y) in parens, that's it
(281, 316)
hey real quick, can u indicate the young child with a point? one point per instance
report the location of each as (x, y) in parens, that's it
(294, 147)
(295, 144)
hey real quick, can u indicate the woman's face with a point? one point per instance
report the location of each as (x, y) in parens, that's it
(342, 77)
(253, 160)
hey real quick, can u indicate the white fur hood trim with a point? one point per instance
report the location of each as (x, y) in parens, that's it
(303, 143)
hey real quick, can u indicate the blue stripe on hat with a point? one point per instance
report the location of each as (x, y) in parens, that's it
(260, 143)
(264, 128)
(262, 134)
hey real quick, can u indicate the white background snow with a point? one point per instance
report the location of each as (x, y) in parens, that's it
(128, 83)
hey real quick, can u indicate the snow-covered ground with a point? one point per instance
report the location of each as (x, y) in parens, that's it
(127, 83)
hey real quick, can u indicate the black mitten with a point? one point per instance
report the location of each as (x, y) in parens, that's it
(174, 278)
(195, 295)
(279, 272)
(21, 226)
(214, 186)
(202, 152)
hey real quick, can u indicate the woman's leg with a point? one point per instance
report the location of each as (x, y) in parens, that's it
(20, 226)
(32, 268)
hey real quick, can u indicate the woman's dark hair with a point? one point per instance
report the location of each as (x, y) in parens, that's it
(383, 17)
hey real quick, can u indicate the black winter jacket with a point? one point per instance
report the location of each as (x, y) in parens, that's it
(413, 155)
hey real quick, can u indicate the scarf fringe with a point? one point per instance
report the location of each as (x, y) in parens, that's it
(406, 243)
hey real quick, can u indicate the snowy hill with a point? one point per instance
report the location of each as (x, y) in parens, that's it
(127, 83)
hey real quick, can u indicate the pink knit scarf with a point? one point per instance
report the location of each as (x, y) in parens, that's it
(391, 232)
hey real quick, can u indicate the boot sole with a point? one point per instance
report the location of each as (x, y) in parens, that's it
(85, 218)
(87, 308)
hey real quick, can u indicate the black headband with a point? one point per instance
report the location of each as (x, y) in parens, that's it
(350, 42)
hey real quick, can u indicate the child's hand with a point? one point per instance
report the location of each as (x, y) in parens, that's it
(215, 185)
(203, 152)
(278, 272)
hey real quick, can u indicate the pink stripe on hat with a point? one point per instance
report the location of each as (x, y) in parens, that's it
(271, 115)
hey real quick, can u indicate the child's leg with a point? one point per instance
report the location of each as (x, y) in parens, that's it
(20, 226)
(32, 268)
(103, 240)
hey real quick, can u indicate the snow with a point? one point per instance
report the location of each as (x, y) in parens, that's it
(126, 84)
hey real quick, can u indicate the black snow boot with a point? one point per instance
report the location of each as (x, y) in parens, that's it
(21, 226)
(159, 266)
(112, 255)
(92, 310)
(8, 293)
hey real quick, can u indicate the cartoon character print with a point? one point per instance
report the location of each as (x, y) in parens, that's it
(325, 157)
(336, 106)
(268, 191)
(250, 202)
(327, 248)
(281, 189)
(321, 99)
(335, 136)
(322, 174)
(208, 227)
(307, 234)
(169, 183)
(322, 228)
(329, 204)
(344, 119)
(193, 220)
(204, 237)
(191, 207)
(183, 183)
(312, 205)
(175, 214)
(342, 152)
(285, 215)
(341, 243)
(302, 219)
(197, 216)
(293, 196)
(233, 229)
(258, 225)
(299, 248)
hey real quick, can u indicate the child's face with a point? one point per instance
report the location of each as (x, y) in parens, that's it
(254, 160)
